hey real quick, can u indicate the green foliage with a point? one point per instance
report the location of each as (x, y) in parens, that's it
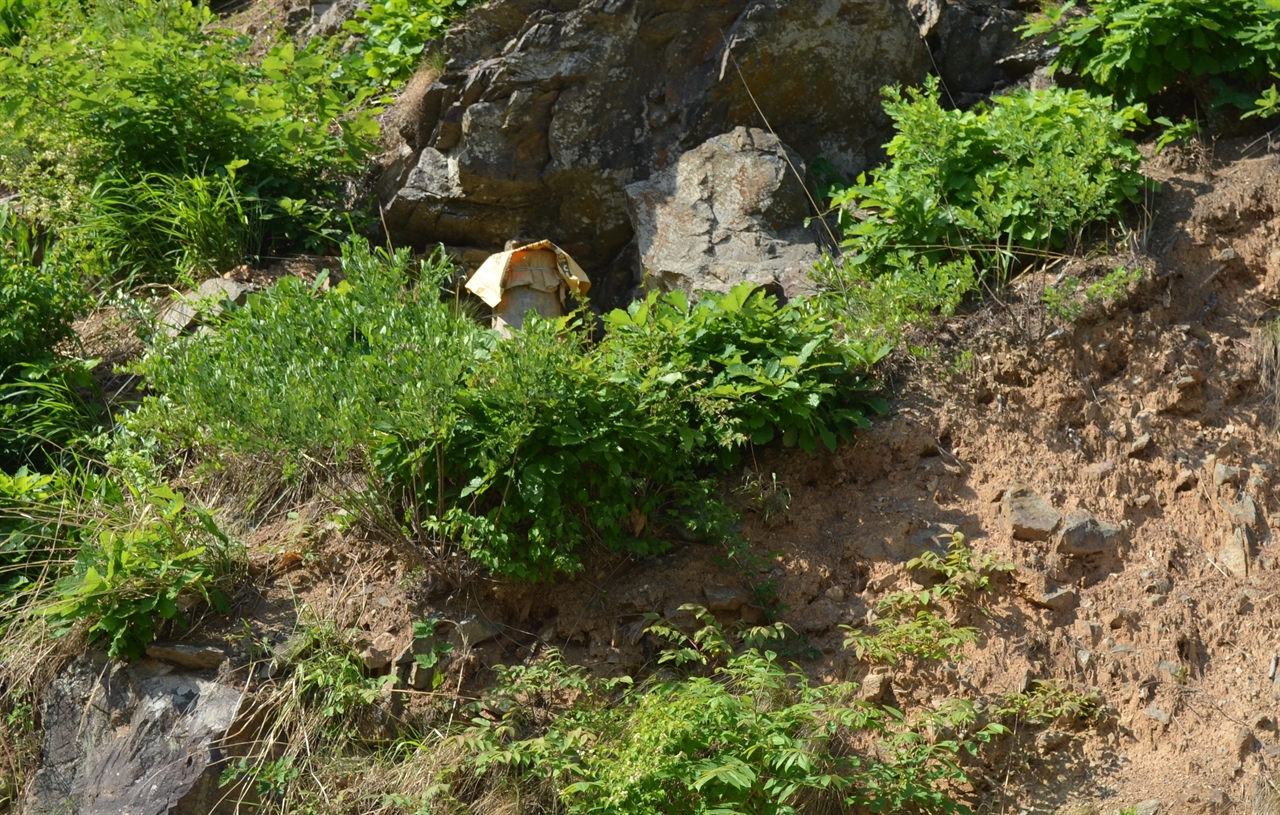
(1048, 701)
(161, 226)
(971, 192)
(1184, 131)
(753, 737)
(40, 293)
(1266, 105)
(47, 410)
(129, 576)
(1221, 50)
(396, 33)
(912, 624)
(1061, 299)
(521, 451)
(121, 108)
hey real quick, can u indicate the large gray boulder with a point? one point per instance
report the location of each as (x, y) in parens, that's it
(728, 211)
(118, 740)
(548, 109)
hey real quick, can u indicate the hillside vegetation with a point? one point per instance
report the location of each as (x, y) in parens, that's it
(149, 147)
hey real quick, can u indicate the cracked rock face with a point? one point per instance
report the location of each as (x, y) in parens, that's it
(548, 109)
(118, 740)
(728, 211)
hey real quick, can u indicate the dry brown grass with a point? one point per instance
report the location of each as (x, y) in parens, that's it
(401, 125)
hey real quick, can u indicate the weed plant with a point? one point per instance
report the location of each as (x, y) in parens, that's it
(520, 451)
(41, 293)
(1220, 51)
(82, 550)
(971, 195)
(748, 736)
(158, 124)
(394, 34)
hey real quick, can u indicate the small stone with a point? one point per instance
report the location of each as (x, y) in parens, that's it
(1099, 468)
(1138, 445)
(1234, 554)
(1148, 807)
(1082, 534)
(875, 686)
(726, 598)
(1185, 480)
(1049, 740)
(1222, 474)
(197, 658)
(1159, 715)
(472, 631)
(1059, 600)
(374, 659)
(821, 615)
(836, 593)
(1241, 742)
(420, 678)
(1027, 515)
(1243, 512)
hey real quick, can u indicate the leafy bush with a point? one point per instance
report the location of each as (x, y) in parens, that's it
(912, 624)
(129, 94)
(396, 32)
(151, 558)
(196, 225)
(1221, 50)
(1061, 300)
(752, 737)
(80, 547)
(970, 192)
(40, 293)
(47, 411)
(520, 450)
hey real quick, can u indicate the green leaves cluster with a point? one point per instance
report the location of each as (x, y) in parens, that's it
(913, 624)
(128, 578)
(751, 737)
(84, 548)
(969, 193)
(115, 106)
(40, 292)
(396, 33)
(1220, 50)
(522, 451)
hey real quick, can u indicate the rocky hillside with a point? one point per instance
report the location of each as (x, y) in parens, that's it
(906, 450)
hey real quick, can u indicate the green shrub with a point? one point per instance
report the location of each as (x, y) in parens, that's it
(122, 96)
(197, 225)
(752, 737)
(48, 410)
(1220, 50)
(144, 563)
(970, 193)
(522, 450)
(40, 293)
(396, 32)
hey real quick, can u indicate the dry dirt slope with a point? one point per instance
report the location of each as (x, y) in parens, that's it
(1147, 412)
(1149, 415)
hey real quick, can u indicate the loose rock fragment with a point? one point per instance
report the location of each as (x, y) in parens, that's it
(1027, 515)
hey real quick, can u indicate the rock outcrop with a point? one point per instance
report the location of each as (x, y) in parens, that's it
(133, 740)
(549, 109)
(730, 210)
